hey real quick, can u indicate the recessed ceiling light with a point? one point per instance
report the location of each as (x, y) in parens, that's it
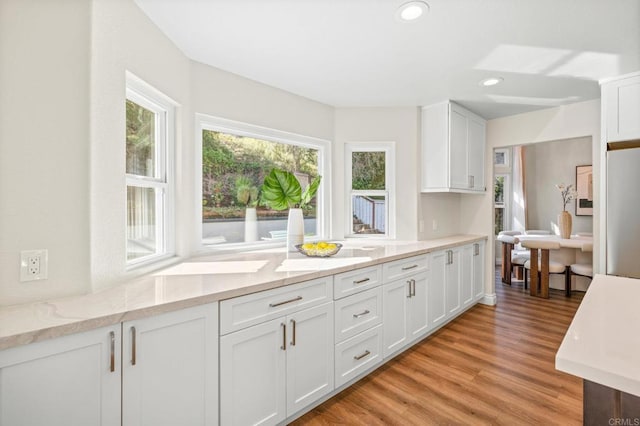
(491, 81)
(412, 10)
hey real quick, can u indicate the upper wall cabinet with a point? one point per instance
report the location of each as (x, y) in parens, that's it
(621, 108)
(453, 142)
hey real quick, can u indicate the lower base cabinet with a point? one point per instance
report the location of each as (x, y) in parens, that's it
(170, 368)
(167, 376)
(68, 381)
(404, 312)
(274, 369)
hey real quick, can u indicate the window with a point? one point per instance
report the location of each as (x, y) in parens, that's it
(236, 157)
(149, 180)
(369, 176)
(501, 205)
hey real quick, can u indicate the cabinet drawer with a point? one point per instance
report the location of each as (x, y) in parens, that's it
(244, 311)
(357, 313)
(353, 282)
(403, 268)
(358, 354)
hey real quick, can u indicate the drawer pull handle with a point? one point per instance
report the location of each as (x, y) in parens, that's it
(406, 268)
(133, 346)
(361, 314)
(284, 336)
(362, 355)
(293, 332)
(295, 299)
(112, 349)
(364, 280)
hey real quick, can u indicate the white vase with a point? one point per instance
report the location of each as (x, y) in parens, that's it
(250, 225)
(295, 229)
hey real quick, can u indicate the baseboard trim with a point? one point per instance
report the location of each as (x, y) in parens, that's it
(489, 299)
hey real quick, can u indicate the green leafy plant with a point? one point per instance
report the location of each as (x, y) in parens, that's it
(281, 190)
(246, 192)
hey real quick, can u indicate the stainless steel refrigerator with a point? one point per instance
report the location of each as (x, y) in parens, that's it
(623, 209)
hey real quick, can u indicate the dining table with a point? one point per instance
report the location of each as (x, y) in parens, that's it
(570, 250)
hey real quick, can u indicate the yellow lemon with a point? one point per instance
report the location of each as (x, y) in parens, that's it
(331, 246)
(308, 246)
(322, 245)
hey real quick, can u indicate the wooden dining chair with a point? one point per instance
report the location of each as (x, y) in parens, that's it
(540, 266)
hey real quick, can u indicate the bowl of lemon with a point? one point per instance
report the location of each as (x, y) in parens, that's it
(319, 249)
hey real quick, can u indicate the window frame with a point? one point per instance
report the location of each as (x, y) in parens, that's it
(146, 96)
(238, 128)
(389, 149)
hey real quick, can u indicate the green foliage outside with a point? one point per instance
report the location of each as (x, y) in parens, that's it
(368, 170)
(232, 166)
(140, 140)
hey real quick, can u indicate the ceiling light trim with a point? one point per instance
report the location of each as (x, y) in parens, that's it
(412, 11)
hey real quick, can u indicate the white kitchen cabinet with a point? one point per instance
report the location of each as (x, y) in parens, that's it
(253, 375)
(274, 369)
(437, 296)
(170, 368)
(67, 381)
(466, 275)
(478, 270)
(453, 278)
(357, 313)
(621, 108)
(358, 354)
(453, 148)
(404, 312)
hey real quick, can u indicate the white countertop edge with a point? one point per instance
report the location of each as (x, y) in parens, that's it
(42, 321)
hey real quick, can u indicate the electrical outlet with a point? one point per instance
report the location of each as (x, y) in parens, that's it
(434, 225)
(33, 265)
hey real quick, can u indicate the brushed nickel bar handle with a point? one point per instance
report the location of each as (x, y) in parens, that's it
(295, 299)
(364, 280)
(293, 331)
(362, 355)
(409, 282)
(112, 350)
(133, 346)
(284, 336)
(413, 287)
(361, 314)
(406, 268)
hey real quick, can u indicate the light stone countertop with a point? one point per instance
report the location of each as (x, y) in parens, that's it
(602, 343)
(196, 281)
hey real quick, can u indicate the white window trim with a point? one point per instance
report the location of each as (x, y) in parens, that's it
(223, 125)
(389, 148)
(148, 97)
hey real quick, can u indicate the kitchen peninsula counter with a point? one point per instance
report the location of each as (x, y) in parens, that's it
(199, 280)
(602, 344)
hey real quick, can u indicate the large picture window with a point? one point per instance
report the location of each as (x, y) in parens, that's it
(236, 157)
(149, 139)
(369, 177)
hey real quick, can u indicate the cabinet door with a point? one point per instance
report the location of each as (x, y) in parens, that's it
(310, 352)
(437, 306)
(452, 277)
(466, 275)
(475, 147)
(68, 381)
(458, 170)
(395, 297)
(418, 308)
(478, 271)
(621, 100)
(252, 375)
(170, 368)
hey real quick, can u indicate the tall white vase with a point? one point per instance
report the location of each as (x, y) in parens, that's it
(250, 225)
(295, 229)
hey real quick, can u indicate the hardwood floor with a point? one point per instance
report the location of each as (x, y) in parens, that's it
(492, 365)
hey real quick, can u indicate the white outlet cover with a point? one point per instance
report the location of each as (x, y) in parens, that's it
(26, 257)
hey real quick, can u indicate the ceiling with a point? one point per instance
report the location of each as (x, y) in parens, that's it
(356, 53)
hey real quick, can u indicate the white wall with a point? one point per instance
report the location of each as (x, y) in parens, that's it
(399, 125)
(547, 164)
(44, 150)
(564, 122)
(444, 209)
(62, 120)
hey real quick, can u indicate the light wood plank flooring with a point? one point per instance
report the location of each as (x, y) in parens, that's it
(492, 365)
